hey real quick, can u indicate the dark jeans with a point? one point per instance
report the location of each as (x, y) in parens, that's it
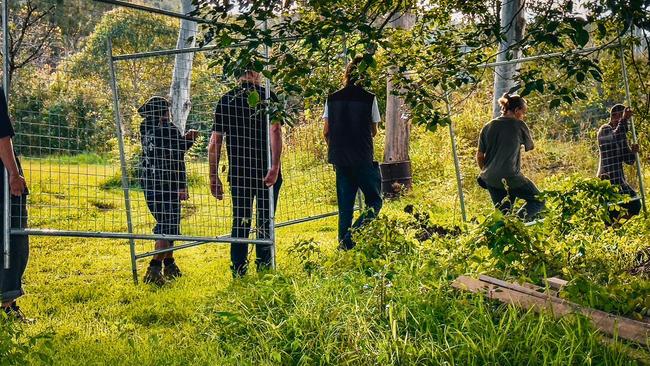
(528, 192)
(11, 279)
(633, 208)
(165, 207)
(242, 212)
(348, 181)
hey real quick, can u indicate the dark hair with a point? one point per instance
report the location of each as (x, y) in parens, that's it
(510, 103)
(617, 108)
(154, 108)
(352, 71)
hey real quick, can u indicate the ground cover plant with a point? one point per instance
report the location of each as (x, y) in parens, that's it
(389, 301)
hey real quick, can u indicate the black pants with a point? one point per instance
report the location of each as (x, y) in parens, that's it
(349, 180)
(243, 193)
(11, 279)
(165, 207)
(633, 208)
(527, 192)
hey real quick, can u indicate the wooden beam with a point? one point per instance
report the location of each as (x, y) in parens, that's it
(521, 296)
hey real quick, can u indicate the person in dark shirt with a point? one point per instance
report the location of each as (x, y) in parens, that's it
(499, 157)
(614, 152)
(351, 116)
(11, 279)
(244, 127)
(163, 179)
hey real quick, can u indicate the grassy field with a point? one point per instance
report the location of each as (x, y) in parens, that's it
(389, 302)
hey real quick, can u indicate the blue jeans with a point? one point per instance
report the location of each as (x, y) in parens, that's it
(348, 181)
(528, 192)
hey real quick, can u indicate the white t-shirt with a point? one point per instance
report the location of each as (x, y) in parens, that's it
(376, 117)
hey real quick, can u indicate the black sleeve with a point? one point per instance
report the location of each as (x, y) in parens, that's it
(6, 129)
(182, 175)
(221, 115)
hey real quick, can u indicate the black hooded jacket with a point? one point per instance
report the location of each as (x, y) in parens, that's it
(163, 150)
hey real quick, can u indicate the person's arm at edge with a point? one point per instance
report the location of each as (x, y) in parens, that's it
(276, 153)
(214, 156)
(326, 130)
(480, 159)
(17, 184)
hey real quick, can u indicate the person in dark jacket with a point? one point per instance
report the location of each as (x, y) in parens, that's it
(11, 279)
(250, 173)
(499, 157)
(615, 151)
(164, 181)
(351, 116)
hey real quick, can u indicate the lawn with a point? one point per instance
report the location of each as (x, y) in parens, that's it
(388, 302)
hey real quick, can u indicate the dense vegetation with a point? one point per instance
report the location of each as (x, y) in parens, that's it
(390, 300)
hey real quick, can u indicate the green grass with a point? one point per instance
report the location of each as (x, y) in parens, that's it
(394, 307)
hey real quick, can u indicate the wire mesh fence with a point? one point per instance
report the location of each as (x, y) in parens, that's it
(79, 175)
(578, 139)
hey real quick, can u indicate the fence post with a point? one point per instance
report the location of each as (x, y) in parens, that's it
(639, 168)
(6, 217)
(267, 97)
(120, 143)
(454, 151)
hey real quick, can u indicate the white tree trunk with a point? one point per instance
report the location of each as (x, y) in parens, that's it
(179, 91)
(513, 24)
(398, 127)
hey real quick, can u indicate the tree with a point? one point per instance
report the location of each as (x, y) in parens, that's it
(397, 122)
(181, 79)
(32, 35)
(513, 24)
(443, 54)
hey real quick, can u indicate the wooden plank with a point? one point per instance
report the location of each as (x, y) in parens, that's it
(556, 283)
(523, 297)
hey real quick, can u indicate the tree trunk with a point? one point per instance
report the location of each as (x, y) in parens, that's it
(513, 25)
(398, 128)
(181, 79)
(396, 169)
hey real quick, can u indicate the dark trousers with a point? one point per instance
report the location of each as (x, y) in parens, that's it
(11, 279)
(633, 208)
(242, 212)
(348, 181)
(528, 192)
(165, 207)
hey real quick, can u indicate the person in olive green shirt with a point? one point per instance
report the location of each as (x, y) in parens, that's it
(499, 157)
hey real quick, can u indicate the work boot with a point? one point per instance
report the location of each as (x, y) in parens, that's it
(171, 270)
(15, 314)
(154, 275)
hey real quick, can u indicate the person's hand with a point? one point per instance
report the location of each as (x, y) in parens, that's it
(627, 114)
(272, 176)
(17, 185)
(634, 148)
(191, 135)
(183, 194)
(216, 187)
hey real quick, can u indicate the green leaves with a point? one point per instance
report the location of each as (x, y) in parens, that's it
(253, 99)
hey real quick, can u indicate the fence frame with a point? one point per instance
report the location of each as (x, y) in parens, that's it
(193, 240)
(639, 168)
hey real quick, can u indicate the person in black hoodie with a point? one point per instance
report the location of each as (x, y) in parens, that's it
(163, 179)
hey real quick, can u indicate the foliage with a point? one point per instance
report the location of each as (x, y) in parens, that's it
(432, 59)
(17, 347)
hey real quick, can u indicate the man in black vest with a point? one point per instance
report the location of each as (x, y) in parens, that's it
(351, 116)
